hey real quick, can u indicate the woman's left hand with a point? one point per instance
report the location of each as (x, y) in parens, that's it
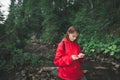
(81, 55)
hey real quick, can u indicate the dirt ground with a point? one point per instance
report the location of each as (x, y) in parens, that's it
(99, 67)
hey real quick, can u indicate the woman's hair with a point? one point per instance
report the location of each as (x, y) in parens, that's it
(71, 30)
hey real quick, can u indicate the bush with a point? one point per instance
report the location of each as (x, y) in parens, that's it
(94, 45)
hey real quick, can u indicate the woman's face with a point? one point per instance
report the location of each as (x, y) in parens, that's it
(73, 36)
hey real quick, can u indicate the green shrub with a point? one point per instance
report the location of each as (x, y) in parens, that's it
(94, 45)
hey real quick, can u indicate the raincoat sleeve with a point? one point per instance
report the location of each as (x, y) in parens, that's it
(81, 60)
(61, 59)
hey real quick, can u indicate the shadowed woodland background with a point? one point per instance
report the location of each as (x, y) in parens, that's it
(30, 34)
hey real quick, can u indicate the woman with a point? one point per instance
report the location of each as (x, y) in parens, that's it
(69, 57)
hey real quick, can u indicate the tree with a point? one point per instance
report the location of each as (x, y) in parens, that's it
(1, 15)
(49, 20)
(1, 23)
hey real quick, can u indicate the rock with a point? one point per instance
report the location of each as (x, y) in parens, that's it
(85, 71)
(101, 67)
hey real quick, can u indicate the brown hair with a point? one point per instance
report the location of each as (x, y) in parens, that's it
(71, 29)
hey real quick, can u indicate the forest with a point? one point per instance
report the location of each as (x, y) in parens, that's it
(33, 28)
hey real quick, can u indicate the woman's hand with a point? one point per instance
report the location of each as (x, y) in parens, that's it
(81, 55)
(75, 57)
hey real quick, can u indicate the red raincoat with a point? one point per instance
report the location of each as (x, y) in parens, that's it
(68, 69)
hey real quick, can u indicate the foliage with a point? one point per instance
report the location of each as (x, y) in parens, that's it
(98, 22)
(107, 45)
(1, 16)
(30, 59)
(20, 59)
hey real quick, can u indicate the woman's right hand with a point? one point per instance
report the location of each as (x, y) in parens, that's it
(81, 55)
(75, 57)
